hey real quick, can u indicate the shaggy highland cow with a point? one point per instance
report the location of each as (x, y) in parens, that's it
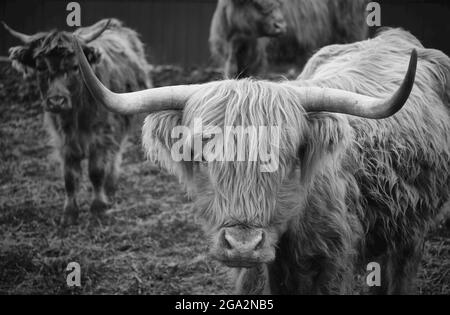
(79, 127)
(364, 164)
(247, 36)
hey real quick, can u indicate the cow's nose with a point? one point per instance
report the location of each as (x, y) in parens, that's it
(57, 103)
(242, 241)
(280, 27)
(57, 100)
(239, 247)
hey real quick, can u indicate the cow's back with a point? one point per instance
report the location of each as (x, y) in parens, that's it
(401, 165)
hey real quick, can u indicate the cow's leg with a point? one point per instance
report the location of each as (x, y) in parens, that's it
(252, 281)
(403, 266)
(231, 65)
(113, 173)
(238, 59)
(327, 279)
(72, 175)
(399, 268)
(100, 160)
(247, 57)
(317, 276)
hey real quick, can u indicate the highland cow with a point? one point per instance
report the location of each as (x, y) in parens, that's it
(248, 36)
(364, 164)
(79, 127)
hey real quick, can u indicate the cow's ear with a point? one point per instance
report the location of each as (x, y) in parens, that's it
(93, 55)
(159, 138)
(326, 139)
(22, 59)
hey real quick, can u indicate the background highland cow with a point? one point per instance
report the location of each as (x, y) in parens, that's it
(80, 128)
(248, 35)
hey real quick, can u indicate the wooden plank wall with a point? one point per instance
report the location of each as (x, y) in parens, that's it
(176, 31)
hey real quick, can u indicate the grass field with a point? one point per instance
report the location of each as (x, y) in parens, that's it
(150, 243)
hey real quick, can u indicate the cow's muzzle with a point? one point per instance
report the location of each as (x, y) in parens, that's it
(274, 29)
(243, 247)
(57, 103)
(279, 28)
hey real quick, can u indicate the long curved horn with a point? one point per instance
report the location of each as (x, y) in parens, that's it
(147, 101)
(93, 36)
(22, 37)
(315, 99)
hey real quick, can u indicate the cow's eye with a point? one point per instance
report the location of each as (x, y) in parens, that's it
(200, 158)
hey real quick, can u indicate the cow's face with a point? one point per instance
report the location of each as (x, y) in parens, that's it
(256, 17)
(245, 208)
(51, 59)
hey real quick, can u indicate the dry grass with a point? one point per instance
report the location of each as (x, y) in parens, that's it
(150, 243)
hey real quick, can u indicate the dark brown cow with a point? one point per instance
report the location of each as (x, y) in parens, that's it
(363, 164)
(79, 127)
(248, 35)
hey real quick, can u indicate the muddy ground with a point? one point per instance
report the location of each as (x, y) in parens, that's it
(150, 244)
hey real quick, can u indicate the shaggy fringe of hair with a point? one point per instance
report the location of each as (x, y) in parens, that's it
(235, 103)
